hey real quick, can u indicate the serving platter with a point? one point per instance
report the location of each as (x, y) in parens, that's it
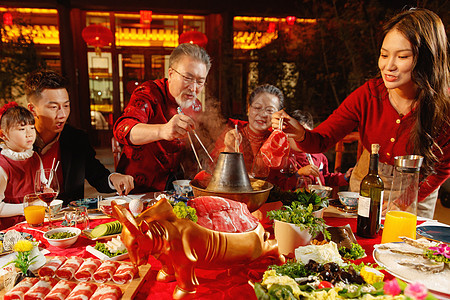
(435, 282)
(435, 233)
(129, 290)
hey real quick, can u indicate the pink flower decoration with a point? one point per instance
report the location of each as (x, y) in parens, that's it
(416, 291)
(391, 287)
(442, 249)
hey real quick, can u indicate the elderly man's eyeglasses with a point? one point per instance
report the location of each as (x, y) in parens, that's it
(264, 110)
(191, 80)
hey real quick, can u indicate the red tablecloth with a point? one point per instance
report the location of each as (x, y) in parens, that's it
(220, 284)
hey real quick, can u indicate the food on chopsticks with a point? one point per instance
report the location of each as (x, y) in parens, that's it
(275, 148)
(61, 235)
(61, 290)
(107, 291)
(51, 266)
(87, 269)
(107, 229)
(69, 267)
(21, 288)
(112, 248)
(225, 215)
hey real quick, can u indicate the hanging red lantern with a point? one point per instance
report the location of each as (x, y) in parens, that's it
(7, 19)
(271, 28)
(291, 20)
(97, 36)
(146, 18)
(193, 37)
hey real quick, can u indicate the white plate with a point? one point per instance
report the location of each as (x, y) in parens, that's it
(87, 233)
(435, 282)
(102, 256)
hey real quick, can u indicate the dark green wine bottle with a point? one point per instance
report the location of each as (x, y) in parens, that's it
(370, 202)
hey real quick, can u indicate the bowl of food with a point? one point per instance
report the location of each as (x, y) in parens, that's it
(182, 187)
(321, 190)
(349, 199)
(62, 237)
(55, 206)
(105, 205)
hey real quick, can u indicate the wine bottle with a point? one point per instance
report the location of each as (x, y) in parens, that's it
(370, 200)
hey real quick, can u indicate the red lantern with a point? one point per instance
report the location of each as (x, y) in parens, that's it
(193, 37)
(97, 36)
(271, 28)
(146, 18)
(7, 19)
(291, 20)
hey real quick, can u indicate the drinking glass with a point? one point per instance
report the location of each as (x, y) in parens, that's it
(46, 186)
(259, 168)
(34, 210)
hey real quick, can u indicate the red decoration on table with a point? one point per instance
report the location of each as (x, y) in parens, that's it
(193, 37)
(98, 36)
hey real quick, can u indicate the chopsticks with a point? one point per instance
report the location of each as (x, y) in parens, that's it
(312, 163)
(180, 111)
(236, 141)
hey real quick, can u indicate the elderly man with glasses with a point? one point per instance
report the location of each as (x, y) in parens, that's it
(150, 128)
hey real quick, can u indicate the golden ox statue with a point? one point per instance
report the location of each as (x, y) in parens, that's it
(182, 245)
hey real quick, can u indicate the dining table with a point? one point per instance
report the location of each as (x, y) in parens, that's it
(232, 283)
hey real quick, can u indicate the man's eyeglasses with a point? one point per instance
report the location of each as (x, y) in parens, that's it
(261, 110)
(191, 80)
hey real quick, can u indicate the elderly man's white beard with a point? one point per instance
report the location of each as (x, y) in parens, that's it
(186, 103)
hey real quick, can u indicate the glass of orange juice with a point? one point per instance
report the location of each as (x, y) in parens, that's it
(398, 223)
(34, 210)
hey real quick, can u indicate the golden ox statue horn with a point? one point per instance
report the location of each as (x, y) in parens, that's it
(182, 245)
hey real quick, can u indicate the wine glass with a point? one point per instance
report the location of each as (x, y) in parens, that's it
(46, 186)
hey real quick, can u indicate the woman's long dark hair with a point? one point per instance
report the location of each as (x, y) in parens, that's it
(426, 33)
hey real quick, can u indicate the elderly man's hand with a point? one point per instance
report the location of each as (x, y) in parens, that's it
(123, 183)
(177, 127)
(291, 126)
(231, 138)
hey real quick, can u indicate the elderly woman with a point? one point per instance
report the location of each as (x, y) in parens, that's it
(247, 137)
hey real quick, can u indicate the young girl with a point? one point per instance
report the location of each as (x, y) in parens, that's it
(18, 162)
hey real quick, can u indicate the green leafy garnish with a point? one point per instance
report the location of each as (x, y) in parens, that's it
(102, 248)
(184, 211)
(306, 198)
(355, 252)
(292, 269)
(301, 216)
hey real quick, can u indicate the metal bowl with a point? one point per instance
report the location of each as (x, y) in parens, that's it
(254, 199)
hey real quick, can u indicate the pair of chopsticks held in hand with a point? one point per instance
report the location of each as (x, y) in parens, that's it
(180, 111)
